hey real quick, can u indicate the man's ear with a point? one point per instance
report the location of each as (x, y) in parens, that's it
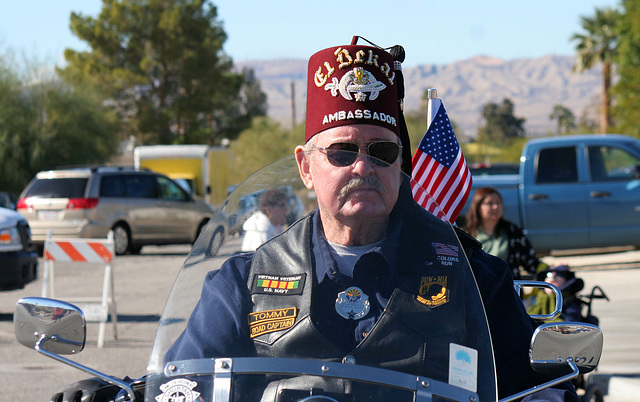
(304, 167)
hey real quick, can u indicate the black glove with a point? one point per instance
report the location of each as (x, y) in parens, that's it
(88, 390)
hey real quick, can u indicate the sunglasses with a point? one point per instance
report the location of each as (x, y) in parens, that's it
(381, 153)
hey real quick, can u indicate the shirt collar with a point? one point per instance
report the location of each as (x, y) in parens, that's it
(325, 263)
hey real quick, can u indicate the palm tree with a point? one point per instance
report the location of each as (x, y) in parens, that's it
(598, 45)
(565, 120)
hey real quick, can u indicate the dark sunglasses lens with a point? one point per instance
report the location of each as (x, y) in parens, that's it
(342, 153)
(382, 153)
(386, 152)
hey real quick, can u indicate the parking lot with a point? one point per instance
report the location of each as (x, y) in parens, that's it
(143, 282)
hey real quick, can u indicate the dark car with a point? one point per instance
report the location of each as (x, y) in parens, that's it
(18, 258)
(8, 200)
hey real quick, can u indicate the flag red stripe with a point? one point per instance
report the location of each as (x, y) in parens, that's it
(450, 200)
(441, 185)
(447, 187)
(464, 192)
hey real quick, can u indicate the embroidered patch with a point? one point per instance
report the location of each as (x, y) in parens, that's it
(433, 290)
(264, 322)
(447, 254)
(278, 285)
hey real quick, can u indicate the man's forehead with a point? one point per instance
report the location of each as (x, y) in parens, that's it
(356, 132)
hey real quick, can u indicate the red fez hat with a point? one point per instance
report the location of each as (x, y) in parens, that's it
(352, 84)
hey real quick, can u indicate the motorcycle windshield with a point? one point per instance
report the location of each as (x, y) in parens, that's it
(430, 341)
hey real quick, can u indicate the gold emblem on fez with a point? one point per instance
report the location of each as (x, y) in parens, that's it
(433, 290)
(358, 81)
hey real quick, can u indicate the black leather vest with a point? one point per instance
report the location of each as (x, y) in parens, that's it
(435, 303)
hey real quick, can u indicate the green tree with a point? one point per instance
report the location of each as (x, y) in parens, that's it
(416, 126)
(565, 120)
(264, 142)
(45, 124)
(586, 124)
(627, 89)
(75, 128)
(598, 44)
(500, 122)
(237, 116)
(16, 119)
(161, 64)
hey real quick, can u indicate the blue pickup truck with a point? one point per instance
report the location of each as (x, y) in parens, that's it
(576, 191)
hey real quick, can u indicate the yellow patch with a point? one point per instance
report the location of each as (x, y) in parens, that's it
(264, 322)
(433, 291)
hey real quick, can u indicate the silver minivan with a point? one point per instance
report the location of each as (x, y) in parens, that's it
(140, 207)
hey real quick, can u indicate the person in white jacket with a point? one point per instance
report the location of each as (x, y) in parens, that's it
(267, 222)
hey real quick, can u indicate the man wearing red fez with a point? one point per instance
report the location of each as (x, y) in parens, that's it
(353, 104)
(382, 282)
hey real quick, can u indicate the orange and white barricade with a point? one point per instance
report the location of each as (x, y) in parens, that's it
(88, 251)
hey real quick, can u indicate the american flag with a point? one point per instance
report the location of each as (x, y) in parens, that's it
(445, 249)
(439, 169)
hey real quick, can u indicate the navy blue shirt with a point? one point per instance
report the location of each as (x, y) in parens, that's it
(372, 273)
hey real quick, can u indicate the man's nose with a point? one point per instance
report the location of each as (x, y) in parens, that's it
(363, 165)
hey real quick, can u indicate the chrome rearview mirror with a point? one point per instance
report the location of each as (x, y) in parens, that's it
(54, 328)
(53, 325)
(564, 349)
(556, 345)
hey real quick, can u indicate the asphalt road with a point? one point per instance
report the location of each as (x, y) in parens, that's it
(143, 282)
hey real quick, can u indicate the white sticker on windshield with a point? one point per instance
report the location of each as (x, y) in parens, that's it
(179, 389)
(463, 367)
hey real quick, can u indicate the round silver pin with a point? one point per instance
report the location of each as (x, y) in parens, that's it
(352, 303)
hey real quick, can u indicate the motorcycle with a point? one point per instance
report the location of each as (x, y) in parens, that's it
(466, 373)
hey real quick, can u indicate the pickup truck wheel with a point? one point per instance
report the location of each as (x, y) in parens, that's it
(121, 239)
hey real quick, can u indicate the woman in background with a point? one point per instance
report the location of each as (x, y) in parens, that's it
(499, 236)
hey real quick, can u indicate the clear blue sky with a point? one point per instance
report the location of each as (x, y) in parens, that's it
(432, 31)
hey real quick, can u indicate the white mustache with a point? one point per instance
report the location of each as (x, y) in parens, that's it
(357, 182)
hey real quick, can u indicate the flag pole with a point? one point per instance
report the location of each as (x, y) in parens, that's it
(433, 103)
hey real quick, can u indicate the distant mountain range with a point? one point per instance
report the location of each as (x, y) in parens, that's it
(535, 86)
